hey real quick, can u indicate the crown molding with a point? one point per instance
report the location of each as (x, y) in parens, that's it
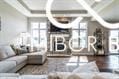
(25, 10)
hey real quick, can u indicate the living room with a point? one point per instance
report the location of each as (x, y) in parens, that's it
(78, 38)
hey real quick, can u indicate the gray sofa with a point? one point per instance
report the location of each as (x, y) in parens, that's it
(11, 62)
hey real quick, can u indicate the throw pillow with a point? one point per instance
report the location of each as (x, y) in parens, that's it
(15, 48)
(89, 67)
(6, 52)
(19, 49)
(9, 51)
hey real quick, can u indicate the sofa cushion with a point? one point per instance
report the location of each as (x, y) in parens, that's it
(6, 66)
(18, 59)
(6, 51)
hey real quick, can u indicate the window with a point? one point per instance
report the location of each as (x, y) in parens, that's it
(79, 29)
(35, 32)
(39, 33)
(83, 34)
(113, 35)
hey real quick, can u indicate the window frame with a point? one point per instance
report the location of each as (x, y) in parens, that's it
(39, 31)
(79, 29)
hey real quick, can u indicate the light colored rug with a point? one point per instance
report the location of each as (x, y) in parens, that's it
(63, 64)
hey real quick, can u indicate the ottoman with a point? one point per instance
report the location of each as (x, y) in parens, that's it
(37, 58)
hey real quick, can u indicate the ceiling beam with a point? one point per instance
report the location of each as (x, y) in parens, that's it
(59, 15)
(101, 5)
(18, 5)
(60, 12)
(21, 2)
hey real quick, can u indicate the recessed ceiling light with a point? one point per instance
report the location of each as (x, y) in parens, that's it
(98, 0)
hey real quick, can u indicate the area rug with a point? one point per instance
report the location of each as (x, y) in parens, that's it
(62, 64)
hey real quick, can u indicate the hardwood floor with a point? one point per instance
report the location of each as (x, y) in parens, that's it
(68, 64)
(106, 63)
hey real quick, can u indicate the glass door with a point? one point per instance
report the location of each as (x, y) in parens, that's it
(39, 35)
(114, 42)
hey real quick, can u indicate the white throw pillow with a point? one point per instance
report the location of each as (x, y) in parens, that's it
(89, 67)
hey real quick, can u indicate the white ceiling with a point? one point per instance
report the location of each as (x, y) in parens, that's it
(57, 4)
(111, 12)
(107, 9)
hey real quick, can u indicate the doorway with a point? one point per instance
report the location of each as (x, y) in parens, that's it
(113, 37)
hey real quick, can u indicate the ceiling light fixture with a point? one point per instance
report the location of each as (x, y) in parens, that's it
(53, 21)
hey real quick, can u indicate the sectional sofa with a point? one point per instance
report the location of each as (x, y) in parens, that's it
(10, 62)
(62, 75)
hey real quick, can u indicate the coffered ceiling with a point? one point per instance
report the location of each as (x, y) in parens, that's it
(107, 9)
(57, 4)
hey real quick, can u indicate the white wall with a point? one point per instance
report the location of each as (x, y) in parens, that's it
(12, 23)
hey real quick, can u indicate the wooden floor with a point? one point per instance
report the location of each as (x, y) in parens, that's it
(68, 64)
(106, 63)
